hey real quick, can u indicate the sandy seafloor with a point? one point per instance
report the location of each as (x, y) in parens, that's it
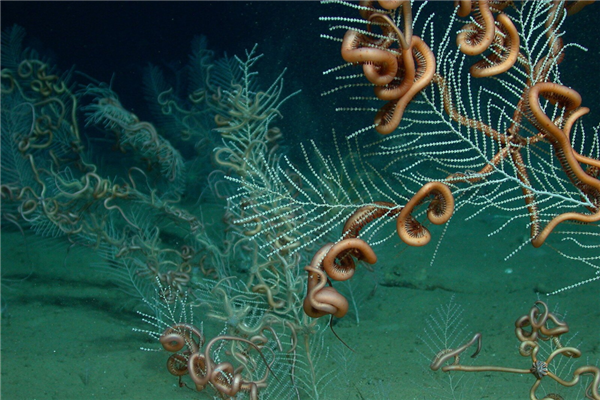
(67, 332)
